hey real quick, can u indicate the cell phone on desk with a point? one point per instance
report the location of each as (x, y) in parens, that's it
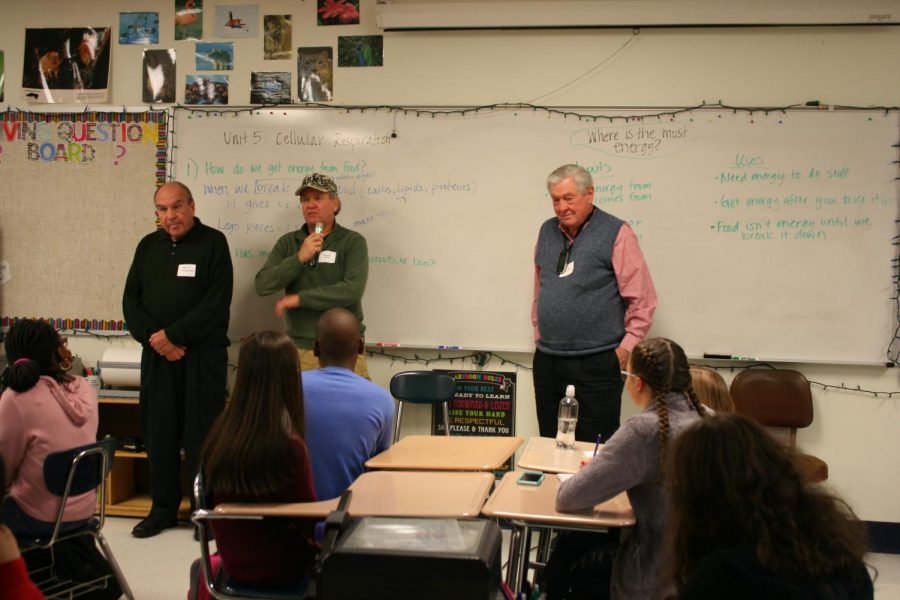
(530, 478)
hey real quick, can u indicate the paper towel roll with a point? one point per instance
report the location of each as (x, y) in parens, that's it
(121, 367)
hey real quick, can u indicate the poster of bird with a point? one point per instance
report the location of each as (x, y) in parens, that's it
(139, 28)
(360, 50)
(188, 19)
(237, 21)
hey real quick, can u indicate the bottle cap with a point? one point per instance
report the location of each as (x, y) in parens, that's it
(570, 391)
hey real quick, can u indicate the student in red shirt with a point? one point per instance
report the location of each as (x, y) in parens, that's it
(255, 452)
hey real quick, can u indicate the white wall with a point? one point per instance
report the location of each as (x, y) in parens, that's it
(855, 433)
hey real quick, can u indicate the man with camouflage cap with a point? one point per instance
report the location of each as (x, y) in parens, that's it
(319, 266)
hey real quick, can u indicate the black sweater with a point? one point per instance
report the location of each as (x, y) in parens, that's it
(163, 290)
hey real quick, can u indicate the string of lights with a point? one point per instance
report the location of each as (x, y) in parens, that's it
(580, 113)
(479, 359)
(825, 386)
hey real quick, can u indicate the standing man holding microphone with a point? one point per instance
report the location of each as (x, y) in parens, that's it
(319, 266)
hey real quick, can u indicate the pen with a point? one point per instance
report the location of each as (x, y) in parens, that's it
(597, 445)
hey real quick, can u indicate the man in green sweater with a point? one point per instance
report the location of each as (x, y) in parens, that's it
(320, 266)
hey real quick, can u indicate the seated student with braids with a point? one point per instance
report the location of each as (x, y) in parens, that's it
(255, 452)
(42, 410)
(759, 531)
(711, 389)
(658, 380)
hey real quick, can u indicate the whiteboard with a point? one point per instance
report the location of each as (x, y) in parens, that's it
(767, 235)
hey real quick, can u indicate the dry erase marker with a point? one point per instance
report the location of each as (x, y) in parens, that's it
(597, 445)
(742, 358)
(717, 356)
(386, 345)
(442, 347)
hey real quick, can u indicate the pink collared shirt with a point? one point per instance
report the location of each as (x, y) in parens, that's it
(635, 287)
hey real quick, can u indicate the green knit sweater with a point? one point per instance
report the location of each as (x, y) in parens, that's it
(325, 285)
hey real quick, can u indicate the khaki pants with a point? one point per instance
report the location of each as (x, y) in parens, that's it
(309, 361)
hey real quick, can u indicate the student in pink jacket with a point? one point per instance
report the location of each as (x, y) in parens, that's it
(43, 409)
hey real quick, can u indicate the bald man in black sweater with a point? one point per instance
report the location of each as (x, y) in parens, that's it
(177, 305)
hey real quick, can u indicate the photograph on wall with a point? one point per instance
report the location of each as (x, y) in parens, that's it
(360, 50)
(159, 76)
(2, 75)
(270, 87)
(338, 12)
(215, 56)
(188, 19)
(138, 28)
(237, 21)
(206, 89)
(277, 38)
(68, 65)
(315, 81)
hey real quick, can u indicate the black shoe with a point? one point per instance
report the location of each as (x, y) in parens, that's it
(153, 526)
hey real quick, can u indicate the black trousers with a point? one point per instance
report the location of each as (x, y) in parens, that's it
(598, 389)
(179, 402)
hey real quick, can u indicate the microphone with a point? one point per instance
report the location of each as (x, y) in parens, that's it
(320, 227)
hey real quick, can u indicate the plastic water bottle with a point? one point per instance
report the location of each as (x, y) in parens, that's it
(567, 419)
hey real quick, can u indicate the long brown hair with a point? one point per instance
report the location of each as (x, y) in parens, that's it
(711, 389)
(732, 484)
(247, 451)
(663, 366)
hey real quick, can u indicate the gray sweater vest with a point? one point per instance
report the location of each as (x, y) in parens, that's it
(583, 312)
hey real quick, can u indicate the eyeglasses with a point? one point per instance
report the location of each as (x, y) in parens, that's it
(563, 261)
(626, 374)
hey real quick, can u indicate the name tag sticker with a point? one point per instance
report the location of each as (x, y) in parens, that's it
(327, 256)
(570, 268)
(187, 270)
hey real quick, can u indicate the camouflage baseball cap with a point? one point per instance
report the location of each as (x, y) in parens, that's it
(317, 181)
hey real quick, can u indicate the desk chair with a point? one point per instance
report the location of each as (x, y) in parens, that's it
(779, 398)
(220, 585)
(422, 387)
(71, 473)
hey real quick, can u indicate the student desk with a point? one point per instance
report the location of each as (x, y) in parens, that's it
(446, 453)
(389, 494)
(532, 507)
(541, 454)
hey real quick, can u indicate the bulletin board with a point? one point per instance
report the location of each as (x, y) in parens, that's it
(76, 197)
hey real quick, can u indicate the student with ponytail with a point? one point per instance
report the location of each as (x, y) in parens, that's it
(658, 380)
(42, 410)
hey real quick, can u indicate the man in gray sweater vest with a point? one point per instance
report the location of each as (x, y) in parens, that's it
(593, 302)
